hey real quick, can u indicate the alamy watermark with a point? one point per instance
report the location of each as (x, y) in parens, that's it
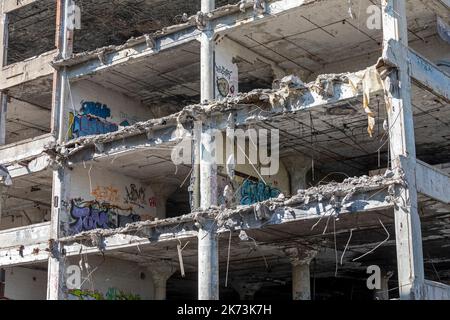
(73, 17)
(257, 147)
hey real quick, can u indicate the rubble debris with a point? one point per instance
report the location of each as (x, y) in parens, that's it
(226, 218)
(286, 92)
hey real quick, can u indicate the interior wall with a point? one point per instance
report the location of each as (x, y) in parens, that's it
(226, 80)
(113, 279)
(93, 109)
(25, 284)
(100, 198)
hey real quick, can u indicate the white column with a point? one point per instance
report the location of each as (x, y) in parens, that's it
(161, 272)
(3, 52)
(402, 143)
(208, 170)
(208, 262)
(301, 281)
(3, 112)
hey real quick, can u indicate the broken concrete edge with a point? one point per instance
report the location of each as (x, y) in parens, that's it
(5, 179)
(274, 100)
(222, 216)
(194, 20)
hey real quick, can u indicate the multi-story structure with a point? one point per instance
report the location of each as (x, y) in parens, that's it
(97, 95)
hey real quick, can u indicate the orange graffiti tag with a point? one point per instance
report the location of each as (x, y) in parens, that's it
(106, 194)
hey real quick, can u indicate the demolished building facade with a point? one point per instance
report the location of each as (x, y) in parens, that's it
(100, 98)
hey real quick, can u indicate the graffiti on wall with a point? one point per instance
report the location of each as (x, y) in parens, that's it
(253, 192)
(224, 84)
(135, 196)
(106, 194)
(111, 294)
(152, 202)
(91, 215)
(92, 119)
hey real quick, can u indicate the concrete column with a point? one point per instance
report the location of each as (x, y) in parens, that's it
(246, 290)
(298, 167)
(3, 36)
(208, 262)
(56, 270)
(161, 272)
(208, 169)
(3, 112)
(207, 56)
(301, 281)
(402, 143)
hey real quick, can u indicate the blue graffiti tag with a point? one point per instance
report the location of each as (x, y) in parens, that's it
(92, 120)
(95, 109)
(253, 192)
(87, 218)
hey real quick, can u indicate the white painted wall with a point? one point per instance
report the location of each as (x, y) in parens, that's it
(226, 76)
(104, 186)
(25, 284)
(114, 273)
(122, 108)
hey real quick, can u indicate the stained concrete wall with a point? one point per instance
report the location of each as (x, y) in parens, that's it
(114, 279)
(225, 73)
(25, 284)
(101, 198)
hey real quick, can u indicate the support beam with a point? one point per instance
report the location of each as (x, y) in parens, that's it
(435, 291)
(421, 69)
(430, 181)
(208, 168)
(25, 150)
(208, 262)
(11, 5)
(402, 143)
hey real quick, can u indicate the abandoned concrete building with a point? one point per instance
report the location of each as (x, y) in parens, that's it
(98, 96)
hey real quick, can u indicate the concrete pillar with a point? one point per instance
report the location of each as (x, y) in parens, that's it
(3, 36)
(208, 169)
(301, 281)
(402, 143)
(3, 112)
(56, 270)
(208, 262)
(246, 290)
(298, 167)
(207, 56)
(161, 272)
(3, 53)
